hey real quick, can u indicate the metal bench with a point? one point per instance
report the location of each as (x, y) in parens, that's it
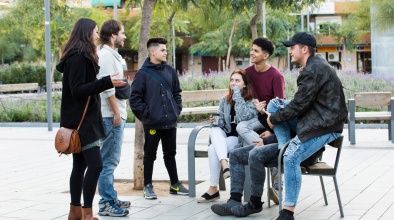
(367, 99)
(202, 96)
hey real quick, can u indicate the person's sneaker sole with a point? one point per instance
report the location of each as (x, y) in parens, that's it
(150, 197)
(274, 196)
(179, 193)
(114, 215)
(219, 210)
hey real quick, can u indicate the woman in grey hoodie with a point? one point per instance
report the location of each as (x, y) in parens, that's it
(236, 106)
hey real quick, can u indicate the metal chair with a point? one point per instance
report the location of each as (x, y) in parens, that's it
(319, 169)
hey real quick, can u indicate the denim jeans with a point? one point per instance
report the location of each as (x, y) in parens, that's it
(295, 153)
(110, 151)
(257, 158)
(246, 129)
(282, 131)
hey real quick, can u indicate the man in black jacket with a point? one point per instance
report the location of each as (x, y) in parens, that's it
(317, 114)
(156, 101)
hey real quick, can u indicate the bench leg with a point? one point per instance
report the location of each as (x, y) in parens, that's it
(391, 130)
(352, 132)
(191, 145)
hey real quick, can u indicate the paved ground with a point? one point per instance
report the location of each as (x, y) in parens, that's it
(34, 180)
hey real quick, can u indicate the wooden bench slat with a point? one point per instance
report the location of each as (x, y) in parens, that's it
(19, 87)
(372, 98)
(372, 115)
(199, 110)
(203, 95)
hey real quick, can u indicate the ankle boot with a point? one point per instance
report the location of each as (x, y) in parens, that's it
(75, 213)
(87, 214)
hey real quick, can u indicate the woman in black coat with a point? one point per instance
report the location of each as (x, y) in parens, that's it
(79, 65)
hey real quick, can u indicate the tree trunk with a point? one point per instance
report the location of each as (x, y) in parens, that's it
(253, 22)
(230, 45)
(139, 131)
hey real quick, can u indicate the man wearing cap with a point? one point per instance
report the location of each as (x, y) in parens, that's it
(317, 114)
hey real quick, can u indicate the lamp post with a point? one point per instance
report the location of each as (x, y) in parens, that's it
(48, 65)
(173, 45)
(115, 10)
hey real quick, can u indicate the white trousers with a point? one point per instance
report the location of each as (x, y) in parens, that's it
(220, 146)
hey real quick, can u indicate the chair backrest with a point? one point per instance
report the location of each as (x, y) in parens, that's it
(337, 143)
(372, 98)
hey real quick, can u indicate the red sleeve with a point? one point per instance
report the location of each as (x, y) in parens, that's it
(279, 86)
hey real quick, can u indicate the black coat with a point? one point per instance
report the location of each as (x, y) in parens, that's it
(151, 103)
(79, 82)
(319, 103)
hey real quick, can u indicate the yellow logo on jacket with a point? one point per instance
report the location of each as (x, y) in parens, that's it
(152, 131)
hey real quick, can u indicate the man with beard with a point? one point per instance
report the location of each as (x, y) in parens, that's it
(114, 113)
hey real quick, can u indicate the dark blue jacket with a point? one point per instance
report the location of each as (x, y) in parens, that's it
(150, 102)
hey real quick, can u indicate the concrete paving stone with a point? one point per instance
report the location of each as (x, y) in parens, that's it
(32, 172)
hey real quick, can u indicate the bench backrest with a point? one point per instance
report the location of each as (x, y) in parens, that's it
(203, 95)
(372, 99)
(19, 87)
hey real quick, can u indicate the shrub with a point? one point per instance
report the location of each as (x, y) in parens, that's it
(26, 73)
(33, 108)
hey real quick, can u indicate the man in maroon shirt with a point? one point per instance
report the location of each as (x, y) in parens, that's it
(267, 82)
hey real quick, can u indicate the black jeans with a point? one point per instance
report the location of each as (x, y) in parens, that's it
(257, 158)
(168, 142)
(90, 159)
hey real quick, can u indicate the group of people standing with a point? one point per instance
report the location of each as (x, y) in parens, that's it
(255, 119)
(92, 70)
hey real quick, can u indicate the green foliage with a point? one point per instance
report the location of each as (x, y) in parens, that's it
(26, 73)
(29, 108)
(383, 14)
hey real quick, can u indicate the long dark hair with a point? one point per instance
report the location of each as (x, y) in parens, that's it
(247, 92)
(81, 37)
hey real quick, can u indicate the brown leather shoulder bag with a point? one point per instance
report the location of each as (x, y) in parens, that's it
(67, 140)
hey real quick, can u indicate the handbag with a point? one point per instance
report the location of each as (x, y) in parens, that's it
(123, 92)
(67, 140)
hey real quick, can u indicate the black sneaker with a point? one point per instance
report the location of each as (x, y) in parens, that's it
(224, 209)
(283, 215)
(245, 210)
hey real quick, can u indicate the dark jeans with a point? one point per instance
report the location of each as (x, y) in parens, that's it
(258, 158)
(90, 159)
(168, 142)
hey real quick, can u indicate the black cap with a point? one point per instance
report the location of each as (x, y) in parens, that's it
(301, 38)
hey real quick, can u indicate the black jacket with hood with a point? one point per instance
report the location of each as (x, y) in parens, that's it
(150, 101)
(319, 103)
(79, 82)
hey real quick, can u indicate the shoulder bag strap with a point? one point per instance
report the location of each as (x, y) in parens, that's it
(161, 80)
(84, 113)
